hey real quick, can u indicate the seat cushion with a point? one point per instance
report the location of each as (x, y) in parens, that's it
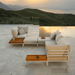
(51, 42)
(62, 41)
(30, 40)
(22, 36)
(43, 40)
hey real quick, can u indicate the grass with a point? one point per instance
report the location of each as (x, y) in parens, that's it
(45, 19)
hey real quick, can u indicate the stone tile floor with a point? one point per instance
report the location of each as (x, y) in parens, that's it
(12, 57)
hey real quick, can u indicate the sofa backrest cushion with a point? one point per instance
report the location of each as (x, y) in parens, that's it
(57, 47)
(25, 29)
(52, 36)
(58, 36)
(61, 41)
(21, 31)
(57, 32)
(14, 32)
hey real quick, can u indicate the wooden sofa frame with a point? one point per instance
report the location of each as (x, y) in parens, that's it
(59, 54)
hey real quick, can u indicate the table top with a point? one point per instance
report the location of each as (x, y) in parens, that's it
(34, 58)
(16, 41)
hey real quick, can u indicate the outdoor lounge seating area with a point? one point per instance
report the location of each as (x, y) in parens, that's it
(58, 49)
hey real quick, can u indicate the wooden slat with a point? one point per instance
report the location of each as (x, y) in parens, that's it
(57, 58)
(57, 50)
(57, 55)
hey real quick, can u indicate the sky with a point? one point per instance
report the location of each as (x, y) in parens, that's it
(43, 4)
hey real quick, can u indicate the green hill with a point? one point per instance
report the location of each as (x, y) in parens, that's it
(45, 19)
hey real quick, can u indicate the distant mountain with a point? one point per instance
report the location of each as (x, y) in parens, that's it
(45, 18)
(4, 6)
(17, 7)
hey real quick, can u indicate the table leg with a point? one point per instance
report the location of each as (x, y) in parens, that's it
(23, 44)
(37, 45)
(26, 63)
(46, 63)
(68, 63)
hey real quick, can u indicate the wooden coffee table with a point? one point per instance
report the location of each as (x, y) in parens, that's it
(17, 41)
(34, 58)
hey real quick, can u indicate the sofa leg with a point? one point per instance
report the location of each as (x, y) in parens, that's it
(68, 64)
(47, 63)
(23, 44)
(37, 45)
(26, 63)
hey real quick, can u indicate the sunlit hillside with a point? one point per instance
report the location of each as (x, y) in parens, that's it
(45, 19)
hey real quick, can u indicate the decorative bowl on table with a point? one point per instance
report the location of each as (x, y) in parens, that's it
(37, 56)
(42, 37)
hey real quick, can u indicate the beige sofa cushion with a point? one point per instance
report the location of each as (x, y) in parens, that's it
(25, 29)
(30, 40)
(14, 32)
(61, 41)
(21, 31)
(22, 36)
(57, 32)
(52, 35)
(51, 42)
(57, 37)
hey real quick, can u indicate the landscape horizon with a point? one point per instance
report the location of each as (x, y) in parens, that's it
(58, 10)
(39, 17)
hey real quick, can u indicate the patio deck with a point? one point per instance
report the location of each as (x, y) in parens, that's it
(12, 57)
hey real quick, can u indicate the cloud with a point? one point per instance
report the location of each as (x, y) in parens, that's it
(8, 1)
(50, 4)
(43, 4)
(34, 3)
(61, 4)
(11, 0)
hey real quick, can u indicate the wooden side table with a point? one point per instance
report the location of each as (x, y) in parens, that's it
(17, 41)
(34, 58)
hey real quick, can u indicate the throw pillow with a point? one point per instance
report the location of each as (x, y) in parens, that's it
(14, 32)
(21, 31)
(57, 37)
(52, 35)
(25, 29)
(57, 32)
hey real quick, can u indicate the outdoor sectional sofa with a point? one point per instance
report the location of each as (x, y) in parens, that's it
(22, 32)
(57, 49)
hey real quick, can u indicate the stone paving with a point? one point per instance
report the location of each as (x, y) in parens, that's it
(12, 57)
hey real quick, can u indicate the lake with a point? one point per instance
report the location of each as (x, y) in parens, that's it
(60, 11)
